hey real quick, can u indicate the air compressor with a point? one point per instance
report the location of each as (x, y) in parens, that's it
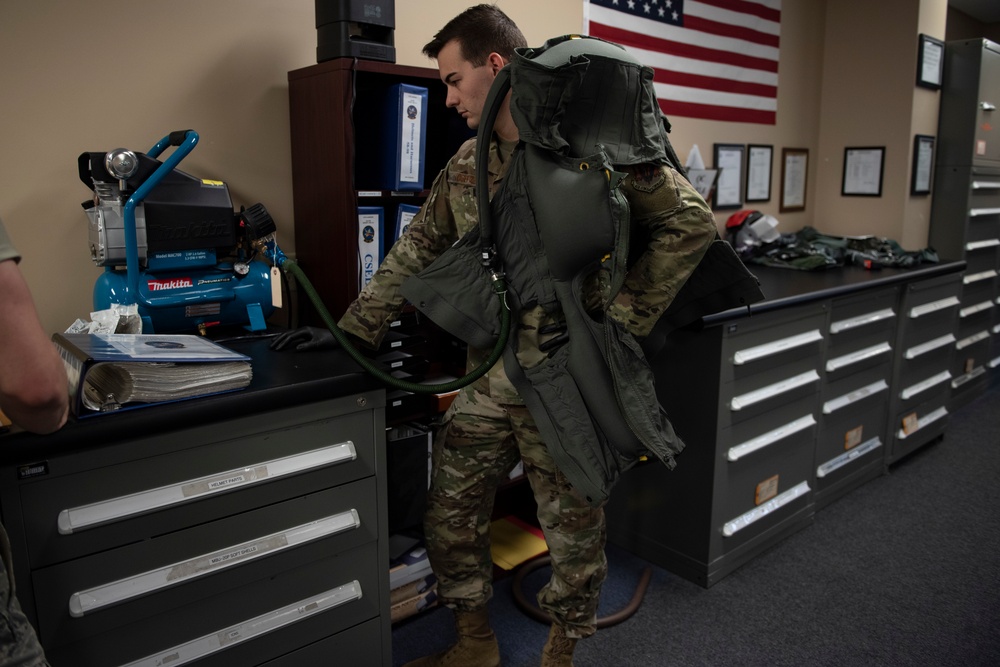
(172, 244)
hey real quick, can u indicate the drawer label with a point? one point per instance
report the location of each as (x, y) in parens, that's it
(853, 437)
(766, 490)
(29, 470)
(911, 423)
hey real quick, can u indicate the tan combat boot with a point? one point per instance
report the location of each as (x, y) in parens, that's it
(558, 650)
(476, 645)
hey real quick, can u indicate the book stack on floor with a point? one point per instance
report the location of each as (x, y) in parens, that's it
(412, 584)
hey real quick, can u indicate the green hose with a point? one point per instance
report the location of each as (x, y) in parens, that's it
(499, 286)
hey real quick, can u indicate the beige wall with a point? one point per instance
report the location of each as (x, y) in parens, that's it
(94, 76)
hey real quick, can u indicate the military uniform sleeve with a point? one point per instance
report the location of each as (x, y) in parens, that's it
(680, 227)
(431, 232)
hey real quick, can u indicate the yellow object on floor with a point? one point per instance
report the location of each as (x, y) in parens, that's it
(514, 542)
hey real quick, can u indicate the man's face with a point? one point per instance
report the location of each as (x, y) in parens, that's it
(468, 85)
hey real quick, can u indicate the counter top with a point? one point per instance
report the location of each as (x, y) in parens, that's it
(280, 379)
(789, 287)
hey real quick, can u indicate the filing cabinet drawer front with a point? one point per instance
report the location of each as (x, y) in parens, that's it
(866, 313)
(769, 390)
(981, 259)
(321, 597)
(857, 391)
(98, 509)
(747, 484)
(927, 420)
(86, 596)
(851, 438)
(777, 339)
(859, 351)
(918, 369)
(982, 228)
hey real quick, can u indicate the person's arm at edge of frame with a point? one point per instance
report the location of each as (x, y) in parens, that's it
(33, 385)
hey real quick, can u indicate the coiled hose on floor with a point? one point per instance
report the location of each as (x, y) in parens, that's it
(499, 287)
(534, 612)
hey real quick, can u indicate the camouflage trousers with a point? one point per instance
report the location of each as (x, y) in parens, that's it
(19, 645)
(473, 453)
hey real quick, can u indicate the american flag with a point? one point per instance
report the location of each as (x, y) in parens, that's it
(713, 59)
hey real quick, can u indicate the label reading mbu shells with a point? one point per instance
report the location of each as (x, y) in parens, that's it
(766, 490)
(911, 423)
(853, 437)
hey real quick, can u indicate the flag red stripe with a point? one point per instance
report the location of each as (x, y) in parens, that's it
(744, 8)
(709, 112)
(714, 83)
(729, 30)
(636, 40)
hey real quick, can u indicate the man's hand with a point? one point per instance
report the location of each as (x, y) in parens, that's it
(304, 339)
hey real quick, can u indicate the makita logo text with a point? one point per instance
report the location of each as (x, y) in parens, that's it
(176, 283)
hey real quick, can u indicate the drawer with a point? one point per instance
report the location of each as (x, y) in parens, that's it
(862, 314)
(981, 260)
(920, 382)
(916, 427)
(983, 227)
(247, 625)
(772, 340)
(770, 390)
(91, 595)
(976, 292)
(925, 361)
(103, 508)
(973, 354)
(775, 479)
(864, 351)
(854, 391)
(358, 647)
(852, 435)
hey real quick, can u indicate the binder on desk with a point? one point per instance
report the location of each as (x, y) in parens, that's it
(370, 226)
(404, 216)
(403, 136)
(110, 372)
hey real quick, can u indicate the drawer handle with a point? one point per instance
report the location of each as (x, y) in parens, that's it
(933, 307)
(764, 393)
(994, 363)
(775, 347)
(855, 357)
(975, 308)
(924, 421)
(924, 348)
(976, 277)
(976, 212)
(145, 583)
(985, 185)
(932, 381)
(862, 320)
(968, 377)
(757, 513)
(979, 245)
(254, 627)
(123, 507)
(848, 456)
(835, 404)
(972, 340)
(771, 437)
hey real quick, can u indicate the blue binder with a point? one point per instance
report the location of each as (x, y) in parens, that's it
(370, 230)
(404, 215)
(404, 137)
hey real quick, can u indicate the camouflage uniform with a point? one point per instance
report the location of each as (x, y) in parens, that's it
(18, 642)
(488, 430)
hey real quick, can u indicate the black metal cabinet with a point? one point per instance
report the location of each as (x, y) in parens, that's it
(783, 412)
(965, 213)
(247, 528)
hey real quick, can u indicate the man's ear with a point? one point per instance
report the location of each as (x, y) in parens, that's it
(496, 62)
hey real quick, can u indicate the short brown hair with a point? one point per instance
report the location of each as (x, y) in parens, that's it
(480, 31)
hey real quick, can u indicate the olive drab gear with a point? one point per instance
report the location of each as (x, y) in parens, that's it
(587, 117)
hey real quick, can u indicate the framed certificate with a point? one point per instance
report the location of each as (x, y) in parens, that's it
(930, 62)
(794, 169)
(759, 161)
(729, 186)
(863, 171)
(923, 162)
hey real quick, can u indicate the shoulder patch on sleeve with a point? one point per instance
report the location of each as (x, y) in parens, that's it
(647, 177)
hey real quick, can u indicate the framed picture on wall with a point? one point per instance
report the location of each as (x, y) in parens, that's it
(863, 171)
(923, 162)
(729, 186)
(930, 62)
(759, 161)
(794, 169)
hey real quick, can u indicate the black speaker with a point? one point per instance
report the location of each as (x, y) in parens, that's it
(355, 29)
